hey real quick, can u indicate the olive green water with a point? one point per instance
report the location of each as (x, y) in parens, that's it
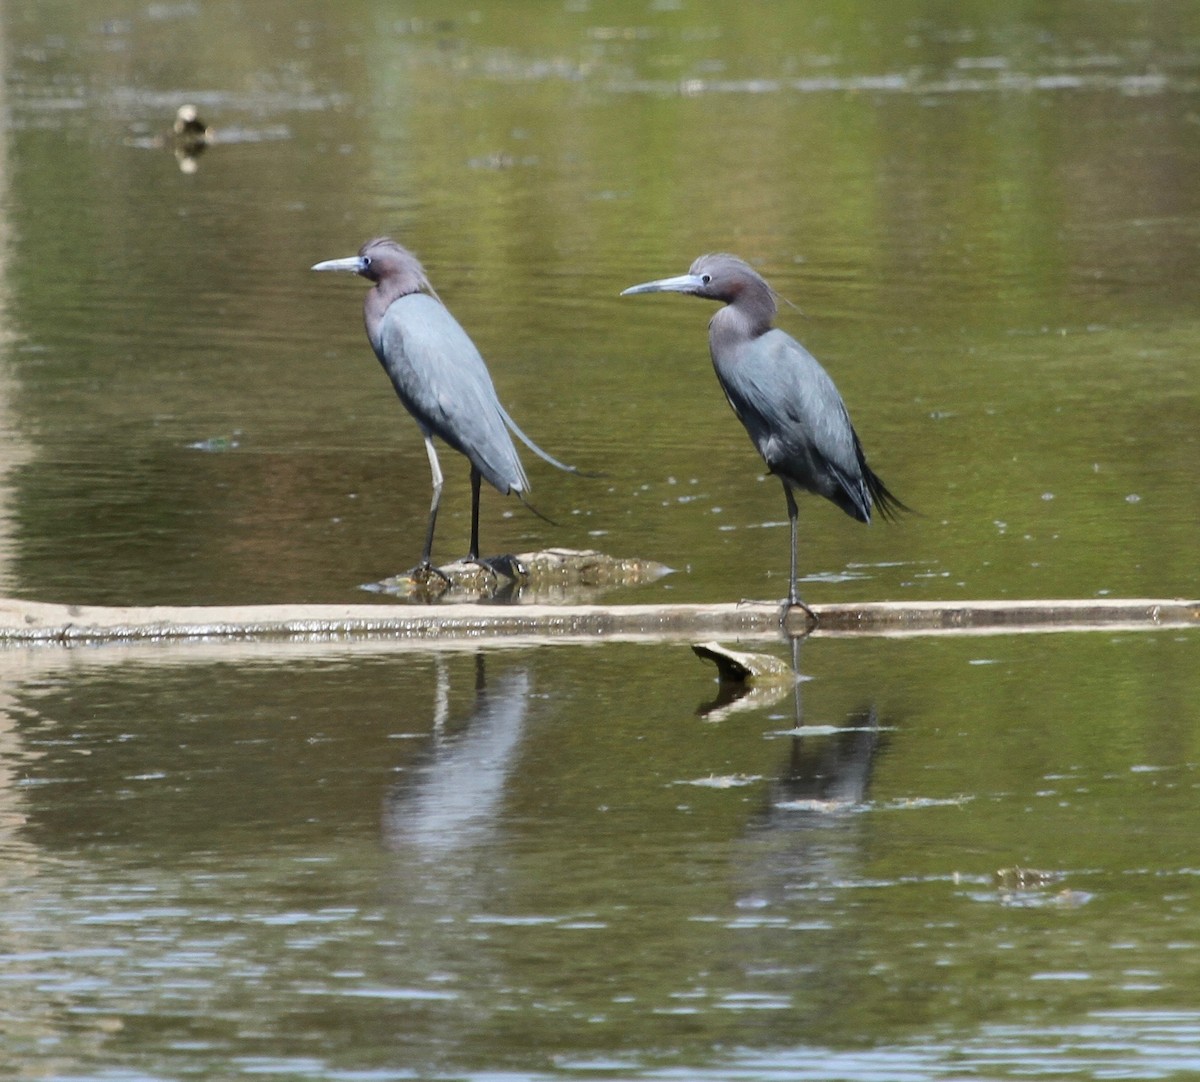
(376, 861)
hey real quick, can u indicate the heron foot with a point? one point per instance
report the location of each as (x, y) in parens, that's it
(795, 603)
(427, 576)
(507, 567)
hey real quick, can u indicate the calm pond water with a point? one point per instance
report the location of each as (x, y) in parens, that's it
(375, 861)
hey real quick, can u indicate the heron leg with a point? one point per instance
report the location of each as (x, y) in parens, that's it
(436, 470)
(793, 597)
(508, 567)
(473, 552)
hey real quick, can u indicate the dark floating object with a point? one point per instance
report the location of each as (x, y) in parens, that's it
(442, 380)
(785, 399)
(191, 137)
(190, 131)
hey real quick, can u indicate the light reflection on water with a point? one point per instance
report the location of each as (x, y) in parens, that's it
(366, 860)
(1132, 1044)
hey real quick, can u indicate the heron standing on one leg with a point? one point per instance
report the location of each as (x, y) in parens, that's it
(786, 400)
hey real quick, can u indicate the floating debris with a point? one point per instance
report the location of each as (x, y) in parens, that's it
(1024, 878)
(215, 444)
(746, 681)
(1030, 888)
(738, 667)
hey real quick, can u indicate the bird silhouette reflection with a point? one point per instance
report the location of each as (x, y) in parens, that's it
(451, 801)
(811, 834)
(827, 771)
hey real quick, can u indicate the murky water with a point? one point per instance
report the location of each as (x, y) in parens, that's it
(340, 862)
(380, 861)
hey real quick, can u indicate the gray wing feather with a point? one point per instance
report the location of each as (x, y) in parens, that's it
(797, 419)
(544, 455)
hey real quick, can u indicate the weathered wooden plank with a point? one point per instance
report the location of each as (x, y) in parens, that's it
(30, 621)
(1005, 616)
(42, 622)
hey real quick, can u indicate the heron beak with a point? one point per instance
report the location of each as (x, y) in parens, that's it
(351, 265)
(685, 283)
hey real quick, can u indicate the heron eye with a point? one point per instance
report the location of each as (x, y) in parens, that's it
(366, 261)
(706, 278)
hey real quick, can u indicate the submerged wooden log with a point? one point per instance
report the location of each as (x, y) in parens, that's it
(746, 681)
(740, 667)
(557, 574)
(31, 621)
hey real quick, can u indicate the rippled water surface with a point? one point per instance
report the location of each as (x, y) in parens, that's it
(324, 861)
(933, 858)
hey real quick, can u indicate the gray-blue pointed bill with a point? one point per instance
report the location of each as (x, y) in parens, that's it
(683, 283)
(350, 265)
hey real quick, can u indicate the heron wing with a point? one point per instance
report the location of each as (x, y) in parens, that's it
(445, 384)
(797, 419)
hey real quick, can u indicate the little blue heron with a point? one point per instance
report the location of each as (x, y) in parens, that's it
(785, 399)
(441, 379)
